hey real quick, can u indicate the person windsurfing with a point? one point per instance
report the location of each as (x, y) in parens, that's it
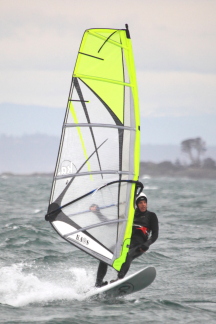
(145, 232)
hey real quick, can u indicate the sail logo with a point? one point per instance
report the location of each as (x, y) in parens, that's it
(82, 239)
(66, 167)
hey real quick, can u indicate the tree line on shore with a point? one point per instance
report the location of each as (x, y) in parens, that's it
(194, 148)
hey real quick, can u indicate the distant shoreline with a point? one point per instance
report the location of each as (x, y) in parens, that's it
(166, 168)
(33, 174)
(169, 169)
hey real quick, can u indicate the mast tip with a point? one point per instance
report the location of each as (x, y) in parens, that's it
(127, 31)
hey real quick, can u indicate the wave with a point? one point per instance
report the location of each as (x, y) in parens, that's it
(22, 284)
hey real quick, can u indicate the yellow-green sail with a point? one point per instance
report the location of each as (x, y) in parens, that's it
(92, 197)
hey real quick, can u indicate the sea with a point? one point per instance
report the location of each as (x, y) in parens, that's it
(44, 279)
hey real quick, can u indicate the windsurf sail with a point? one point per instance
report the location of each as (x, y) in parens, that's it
(97, 170)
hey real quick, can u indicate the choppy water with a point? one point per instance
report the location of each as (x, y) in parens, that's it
(43, 278)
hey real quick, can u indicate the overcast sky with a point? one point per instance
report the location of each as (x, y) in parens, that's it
(174, 43)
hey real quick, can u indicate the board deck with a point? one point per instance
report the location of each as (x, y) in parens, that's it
(128, 285)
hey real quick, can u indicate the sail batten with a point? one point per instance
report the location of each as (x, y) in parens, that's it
(94, 226)
(83, 76)
(71, 175)
(98, 125)
(96, 176)
(109, 40)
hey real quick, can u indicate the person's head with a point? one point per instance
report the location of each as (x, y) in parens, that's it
(141, 202)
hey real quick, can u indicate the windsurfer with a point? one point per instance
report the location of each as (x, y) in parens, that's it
(145, 232)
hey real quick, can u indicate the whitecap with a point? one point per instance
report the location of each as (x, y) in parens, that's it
(36, 211)
(151, 188)
(4, 176)
(18, 288)
(146, 176)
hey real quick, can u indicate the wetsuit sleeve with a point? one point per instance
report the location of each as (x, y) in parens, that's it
(154, 228)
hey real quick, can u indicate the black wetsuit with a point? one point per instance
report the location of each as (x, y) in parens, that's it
(148, 220)
(145, 232)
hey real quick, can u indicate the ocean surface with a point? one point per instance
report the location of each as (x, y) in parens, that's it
(43, 279)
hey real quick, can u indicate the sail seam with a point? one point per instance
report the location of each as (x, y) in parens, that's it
(106, 41)
(99, 58)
